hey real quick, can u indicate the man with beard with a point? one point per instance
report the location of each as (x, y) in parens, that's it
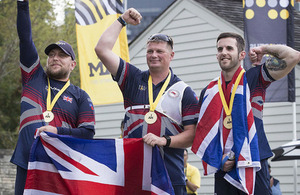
(49, 101)
(230, 136)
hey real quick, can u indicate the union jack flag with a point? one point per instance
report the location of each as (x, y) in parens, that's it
(67, 165)
(211, 141)
(135, 124)
(68, 99)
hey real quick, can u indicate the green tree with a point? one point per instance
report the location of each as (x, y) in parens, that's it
(44, 32)
(67, 32)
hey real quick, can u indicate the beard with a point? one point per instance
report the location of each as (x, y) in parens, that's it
(231, 66)
(57, 75)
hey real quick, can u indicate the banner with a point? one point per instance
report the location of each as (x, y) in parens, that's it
(92, 19)
(271, 22)
(67, 165)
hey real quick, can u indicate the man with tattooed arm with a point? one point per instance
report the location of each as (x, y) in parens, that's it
(230, 53)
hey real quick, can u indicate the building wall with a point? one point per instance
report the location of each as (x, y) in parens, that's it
(7, 173)
(149, 10)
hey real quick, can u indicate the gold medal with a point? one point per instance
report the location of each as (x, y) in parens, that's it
(48, 116)
(150, 117)
(227, 122)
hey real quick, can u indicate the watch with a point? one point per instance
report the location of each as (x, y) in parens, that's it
(122, 21)
(168, 140)
(231, 156)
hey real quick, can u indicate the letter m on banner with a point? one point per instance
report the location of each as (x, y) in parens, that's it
(271, 22)
(92, 18)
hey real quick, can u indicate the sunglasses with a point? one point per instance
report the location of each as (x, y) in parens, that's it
(161, 37)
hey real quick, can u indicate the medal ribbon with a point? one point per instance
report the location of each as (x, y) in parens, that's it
(50, 104)
(162, 90)
(236, 83)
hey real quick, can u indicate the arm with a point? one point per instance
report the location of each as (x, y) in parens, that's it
(282, 61)
(75, 132)
(85, 124)
(181, 140)
(28, 53)
(191, 186)
(194, 183)
(109, 37)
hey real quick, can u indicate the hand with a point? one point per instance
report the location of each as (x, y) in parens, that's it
(228, 165)
(256, 54)
(132, 16)
(271, 181)
(47, 128)
(153, 140)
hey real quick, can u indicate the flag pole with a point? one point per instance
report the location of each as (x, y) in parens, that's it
(295, 138)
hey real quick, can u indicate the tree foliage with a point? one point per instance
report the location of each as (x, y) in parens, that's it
(44, 32)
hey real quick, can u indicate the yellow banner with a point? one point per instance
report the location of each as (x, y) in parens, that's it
(92, 19)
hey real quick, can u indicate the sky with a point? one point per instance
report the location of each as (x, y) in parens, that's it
(59, 7)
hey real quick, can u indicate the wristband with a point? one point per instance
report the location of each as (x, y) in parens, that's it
(223, 161)
(122, 21)
(168, 140)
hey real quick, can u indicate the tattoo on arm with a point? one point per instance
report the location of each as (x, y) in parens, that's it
(275, 64)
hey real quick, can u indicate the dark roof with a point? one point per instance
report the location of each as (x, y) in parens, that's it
(232, 11)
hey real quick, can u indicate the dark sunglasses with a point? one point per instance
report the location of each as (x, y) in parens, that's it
(161, 37)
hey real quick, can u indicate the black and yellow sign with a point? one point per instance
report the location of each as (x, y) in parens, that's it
(92, 18)
(271, 22)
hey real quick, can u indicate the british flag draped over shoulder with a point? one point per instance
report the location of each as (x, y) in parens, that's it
(66, 165)
(211, 142)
